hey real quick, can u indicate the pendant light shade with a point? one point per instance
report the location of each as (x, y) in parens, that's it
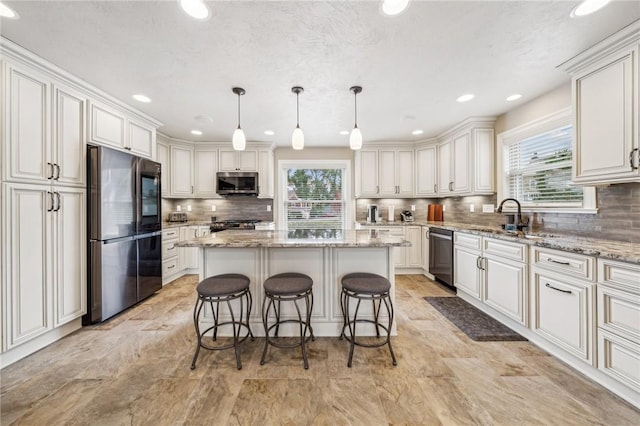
(355, 140)
(297, 138)
(238, 141)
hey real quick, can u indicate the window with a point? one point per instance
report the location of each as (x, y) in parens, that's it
(536, 166)
(314, 198)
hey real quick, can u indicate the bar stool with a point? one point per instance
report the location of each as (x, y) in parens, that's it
(217, 289)
(288, 287)
(366, 286)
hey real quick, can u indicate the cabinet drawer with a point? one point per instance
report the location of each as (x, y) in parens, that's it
(169, 249)
(619, 312)
(467, 240)
(169, 267)
(562, 314)
(619, 358)
(169, 234)
(619, 274)
(505, 249)
(396, 231)
(573, 265)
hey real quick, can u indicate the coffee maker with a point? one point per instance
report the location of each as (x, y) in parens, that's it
(373, 213)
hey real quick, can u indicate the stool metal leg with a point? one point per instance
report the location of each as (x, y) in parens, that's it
(196, 316)
(390, 313)
(236, 346)
(303, 332)
(265, 316)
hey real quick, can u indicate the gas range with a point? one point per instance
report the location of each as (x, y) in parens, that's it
(233, 224)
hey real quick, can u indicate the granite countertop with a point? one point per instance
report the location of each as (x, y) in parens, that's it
(168, 225)
(607, 249)
(323, 238)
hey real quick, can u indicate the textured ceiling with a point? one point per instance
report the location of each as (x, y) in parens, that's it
(412, 67)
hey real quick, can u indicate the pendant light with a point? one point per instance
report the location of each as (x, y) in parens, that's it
(355, 140)
(239, 141)
(297, 138)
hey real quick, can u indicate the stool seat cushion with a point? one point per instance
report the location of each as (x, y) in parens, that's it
(288, 284)
(223, 285)
(365, 283)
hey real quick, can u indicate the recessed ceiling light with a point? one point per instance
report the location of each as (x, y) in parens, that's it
(344, 132)
(393, 7)
(514, 97)
(587, 7)
(204, 119)
(141, 98)
(269, 132)
(465, 98)
(417, 132)
(195, 8)
(196, 132)
(7, 12)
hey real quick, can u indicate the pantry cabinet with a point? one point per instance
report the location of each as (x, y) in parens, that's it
(605, 97)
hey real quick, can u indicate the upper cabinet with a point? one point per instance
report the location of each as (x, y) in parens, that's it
(205, 168)
(181, 166)
(385, 171)
(605, 98)
(109, 126)
(238, 161)
(454, 165)
(162, 157)
(265, 173)
(426, 171)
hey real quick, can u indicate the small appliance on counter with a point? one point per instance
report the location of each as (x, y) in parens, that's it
(373, 213)
(177, 217)
(406, 216)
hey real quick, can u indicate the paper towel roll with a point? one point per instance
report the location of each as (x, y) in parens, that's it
(391, 211)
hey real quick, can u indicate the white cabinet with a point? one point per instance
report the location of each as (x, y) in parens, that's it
(181, 166)
(483, 143)
(605, 83)
(162, 157)
(265, 174)
(426, 171)
(454, 166)
(190, 256)
(112, 127)
(414, 252)
(206, 167)
(618, 313)
(242, 161)
(493, 271)
(170, 260)
(45, 259)
(385, 172)
(562, 297)
(425, 248)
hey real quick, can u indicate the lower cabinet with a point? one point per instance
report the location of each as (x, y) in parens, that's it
(177, 261)
(405, 257)
(190, 256)
(171, 265)
(44, 264)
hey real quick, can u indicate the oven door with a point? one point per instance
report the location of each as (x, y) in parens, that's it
(149, 203)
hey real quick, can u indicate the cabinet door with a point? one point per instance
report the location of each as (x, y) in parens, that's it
(367, 164)
(483, 142)
(462, 171)
(425, 248)
(414, 253)
(605, 109)
(107, 127)
(181, 171)
(189, 255)
(265, 174)
(69, 254)
(162, 157)
(69, 146)
(466, 274)
(387, 173)
(227, 161)
(505, 287)
(404, 173)
(142, 139)
(248, 161)
(27, 290)
(426, 177)
(561, 313)
(26, 152)
(444, 169)
(206, 166)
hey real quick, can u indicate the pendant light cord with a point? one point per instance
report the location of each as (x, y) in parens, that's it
(297, 109)
(355, 103)
(238, 110)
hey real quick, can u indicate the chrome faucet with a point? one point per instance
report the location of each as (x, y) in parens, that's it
(521, 222)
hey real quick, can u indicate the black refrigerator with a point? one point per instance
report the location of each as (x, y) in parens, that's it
(124, 229)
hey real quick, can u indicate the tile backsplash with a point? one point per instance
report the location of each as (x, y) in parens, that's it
(236, 208)
(618, 216)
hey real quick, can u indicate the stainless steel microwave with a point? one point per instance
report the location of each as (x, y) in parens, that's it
(237, 183)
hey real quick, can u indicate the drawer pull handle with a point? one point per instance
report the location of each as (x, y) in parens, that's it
(558, 262)
(557, 289)
(171, 267)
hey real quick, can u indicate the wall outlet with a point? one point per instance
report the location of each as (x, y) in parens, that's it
(444, 208)
(213, 207)
(488, 208)
(472, 208)
(188, 207)
(268, 207)
(413, 207)
(178, 208)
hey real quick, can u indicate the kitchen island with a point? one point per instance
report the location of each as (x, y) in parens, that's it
(325, 255)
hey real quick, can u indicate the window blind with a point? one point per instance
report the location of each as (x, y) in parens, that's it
(538, 170)
(315, 199)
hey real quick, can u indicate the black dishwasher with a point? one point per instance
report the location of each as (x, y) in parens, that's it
(441, 255)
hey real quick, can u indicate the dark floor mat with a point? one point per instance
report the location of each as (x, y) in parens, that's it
(472, 321)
